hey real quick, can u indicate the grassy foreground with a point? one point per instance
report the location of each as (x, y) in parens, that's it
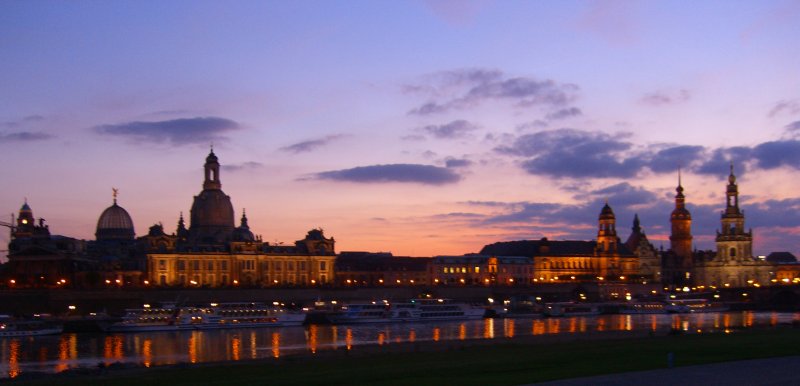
(501, 363)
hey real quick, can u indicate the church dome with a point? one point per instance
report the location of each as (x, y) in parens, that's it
(115, 224)
(607, 213)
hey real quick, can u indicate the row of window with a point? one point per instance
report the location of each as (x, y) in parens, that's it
(491, 269)
(248, 265)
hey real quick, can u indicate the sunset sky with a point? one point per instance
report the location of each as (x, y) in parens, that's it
(416, 127)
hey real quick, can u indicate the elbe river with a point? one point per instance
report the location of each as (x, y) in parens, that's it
(57, 353)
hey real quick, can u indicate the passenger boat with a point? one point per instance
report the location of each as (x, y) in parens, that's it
(10, 327)
(215, 316)
(571, 309)
(417, 310)
(421, 310)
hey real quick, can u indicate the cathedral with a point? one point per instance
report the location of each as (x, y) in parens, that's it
(213, 252)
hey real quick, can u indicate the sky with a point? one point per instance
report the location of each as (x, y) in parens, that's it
(419, 128)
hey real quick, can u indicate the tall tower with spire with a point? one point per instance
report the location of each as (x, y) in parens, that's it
(607, 231)
(681, 220)
(733, 243)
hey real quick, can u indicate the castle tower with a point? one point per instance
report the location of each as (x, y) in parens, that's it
(733, 243)
(681, 220)
(607, 231)
(25, 222)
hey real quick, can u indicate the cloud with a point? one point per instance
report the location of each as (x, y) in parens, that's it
(625, 194)
(455, 129)
(24, 136)
(176, 131)
(457, 163)
(793, 127)
(459, 89)
(574, 153)
(789, 107)
(564, 113)
(310, 145)
(243, 166)
(770, 155)
(721, 158)
(537, 124)
(410, 173)
(660, 98)
(23, 121)
(671, 158)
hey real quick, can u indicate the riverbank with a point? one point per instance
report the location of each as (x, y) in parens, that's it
(468, 362)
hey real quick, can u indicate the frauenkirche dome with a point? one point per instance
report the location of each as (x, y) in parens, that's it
(115, 223)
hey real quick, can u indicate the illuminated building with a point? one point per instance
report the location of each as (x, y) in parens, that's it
(212, 252)
(381, 269)
(733, 264)
(606, 259)
(649, 258)
(37, 258)
(481, 269)
(677, 262)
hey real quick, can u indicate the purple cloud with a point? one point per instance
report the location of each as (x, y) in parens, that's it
(455, 129)
(310, 145)
(24, 136)
(407, 173)
(660, 98)
(176, 131)
(564, 113)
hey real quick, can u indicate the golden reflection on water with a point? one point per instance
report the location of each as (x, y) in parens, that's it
(748, 319)
(462, 331)
(436, 333)
(312, 338)
(236, 347)
(193, 347)
(348, 338)
(538, 327)
(573, 325)
(508, 327)
(553, 326)
(276, 345)
(13, 358)
(147, 352)
(253, 353)
(488, 328)
(726, 320)
(412, 336)
(653, 323)
(381, 338)
(63, 354)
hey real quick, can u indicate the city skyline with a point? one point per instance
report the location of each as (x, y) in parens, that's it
(420, 128)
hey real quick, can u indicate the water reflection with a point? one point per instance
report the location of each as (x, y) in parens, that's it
(58, 353)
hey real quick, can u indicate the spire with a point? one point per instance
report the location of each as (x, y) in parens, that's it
(212, 172)
(114, 193)
(244, 220)
(732, 194)
(636, 227)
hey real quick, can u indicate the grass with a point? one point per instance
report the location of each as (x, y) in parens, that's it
(502, 363)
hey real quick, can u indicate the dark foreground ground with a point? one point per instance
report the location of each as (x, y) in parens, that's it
(523, 360)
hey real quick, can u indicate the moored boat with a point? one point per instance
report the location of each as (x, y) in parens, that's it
(215, 316)
(10, 327)
(571, 309)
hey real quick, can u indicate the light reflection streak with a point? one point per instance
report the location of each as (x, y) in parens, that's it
(488, 328)
(193, 348)
(436, 334)
(312, 338)
(253, 353)
(462, 331)
(236, 347)
(412, 336)
(147, 352)
(13, 358)
(508, 327)
(348, 338)
(276, 345)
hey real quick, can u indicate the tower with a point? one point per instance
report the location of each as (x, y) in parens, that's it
(25, 222)
(733, 243)
(212, 212)
(607, 231)
(681, 220)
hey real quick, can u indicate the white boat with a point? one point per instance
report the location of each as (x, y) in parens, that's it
(215, 316)
(417, 310)
(571, 309)
(10, 327)
(421, 310)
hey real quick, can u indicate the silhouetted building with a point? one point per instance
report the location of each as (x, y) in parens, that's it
(381, 269)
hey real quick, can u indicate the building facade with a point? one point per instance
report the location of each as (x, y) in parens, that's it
(213, 252)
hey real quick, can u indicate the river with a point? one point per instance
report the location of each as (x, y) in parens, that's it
(70, 350)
